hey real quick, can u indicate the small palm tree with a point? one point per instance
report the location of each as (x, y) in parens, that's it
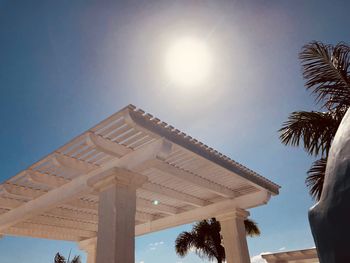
(61, 259)
(326, 69)
(205, 239)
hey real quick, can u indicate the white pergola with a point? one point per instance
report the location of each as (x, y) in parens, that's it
(296, 256)
(129, 175)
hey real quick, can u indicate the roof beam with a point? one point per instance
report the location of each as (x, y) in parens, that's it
(49, 180)
(63, 222)
(165, 209)
(9, 203)
(72, 164)
(192, 178)
(14, 231)
(78, 203)
(107, 146)
(213, 210)
(141, 203)
(176, 195)
(78, 186)
(143, 217)
(22, 192)
(74, 214)
(74, 232)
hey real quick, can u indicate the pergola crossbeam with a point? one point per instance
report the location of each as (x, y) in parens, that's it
(107, 146)
(191, 178)
(80, 185)
(14, 231)
(165, 209)
(181, 197)
(63, 222)
(46, 179)
(212, 210)
(9, 203)
(74, 232)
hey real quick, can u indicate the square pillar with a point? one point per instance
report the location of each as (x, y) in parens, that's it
(116, 216)
(234, 236)
(89, 246)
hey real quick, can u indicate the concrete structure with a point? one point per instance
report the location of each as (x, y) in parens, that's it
(130, 175)
(296, 256)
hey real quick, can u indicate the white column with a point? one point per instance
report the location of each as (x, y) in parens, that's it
(234, 236)
(117, 208)
(89, 246)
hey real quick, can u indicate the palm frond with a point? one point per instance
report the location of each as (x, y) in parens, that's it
(59, 258)
(76, 259)
(314, 130)
(326, 71)
(251, 228)
(315, 178)
(184, 242)
(205, 239)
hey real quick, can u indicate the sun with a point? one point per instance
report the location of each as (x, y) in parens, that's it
(188, 62)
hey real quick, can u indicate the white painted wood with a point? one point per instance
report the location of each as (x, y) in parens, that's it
(212, 210)
(78, 186)
(116, 224)
(63, 222)
(87, 158)
(234, 236)
(89, 246)
(181, 197)
(20, 191)
(191, 178)
(73, 164)
(29, 232)
(165, 209)
(9, 203)
(46, 179)
(48, 228)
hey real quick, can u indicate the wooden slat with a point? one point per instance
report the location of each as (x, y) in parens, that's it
(181, 197)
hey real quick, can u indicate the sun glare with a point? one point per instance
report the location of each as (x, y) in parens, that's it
(188, 62)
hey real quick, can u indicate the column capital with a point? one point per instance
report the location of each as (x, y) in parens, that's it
(117, 176)
(89, 246)
(87, 243)
(235, 214)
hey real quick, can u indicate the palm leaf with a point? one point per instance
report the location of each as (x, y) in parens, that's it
(313, 130)
(205, 239)
(59, 258)
(76, 259)
(315, 178)
(251, 228)
(184, 242)
(326, 71)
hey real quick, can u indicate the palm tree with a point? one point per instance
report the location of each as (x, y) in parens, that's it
(205, 239)
(326, 71)
(61, 259)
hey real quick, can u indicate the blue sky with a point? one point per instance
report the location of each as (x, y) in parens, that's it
(66, 65)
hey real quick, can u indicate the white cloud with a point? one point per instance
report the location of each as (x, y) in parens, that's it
(258, 258)
(282, 248)
(153, 246)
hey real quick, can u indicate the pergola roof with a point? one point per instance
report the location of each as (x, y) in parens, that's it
(296, 256)
(54, 197)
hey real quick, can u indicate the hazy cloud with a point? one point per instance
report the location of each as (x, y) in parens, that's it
(153, 246)
(258, 258)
